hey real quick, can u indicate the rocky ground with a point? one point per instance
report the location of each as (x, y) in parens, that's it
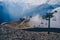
(7, 33)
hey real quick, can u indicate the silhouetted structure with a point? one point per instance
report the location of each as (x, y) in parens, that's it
(47, 17)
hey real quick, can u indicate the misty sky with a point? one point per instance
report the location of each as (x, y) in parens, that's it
(33, 2)
(20, 8)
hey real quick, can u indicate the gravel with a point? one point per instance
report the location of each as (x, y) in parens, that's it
(7, 33)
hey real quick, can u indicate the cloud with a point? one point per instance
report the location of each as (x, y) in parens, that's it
(52, 2)
(32, 2)
(1, 0)
(37, 21)
(36, 2)
(17, 9)
(56, 17)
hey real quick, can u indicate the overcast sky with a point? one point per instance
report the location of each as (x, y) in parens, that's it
(33, 2)
(15, 7)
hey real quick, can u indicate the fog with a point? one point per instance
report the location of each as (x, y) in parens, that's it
(11, 10)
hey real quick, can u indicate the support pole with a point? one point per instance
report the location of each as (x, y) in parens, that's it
(49, 25)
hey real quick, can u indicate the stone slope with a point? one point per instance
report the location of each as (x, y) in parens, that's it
(7, 33)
